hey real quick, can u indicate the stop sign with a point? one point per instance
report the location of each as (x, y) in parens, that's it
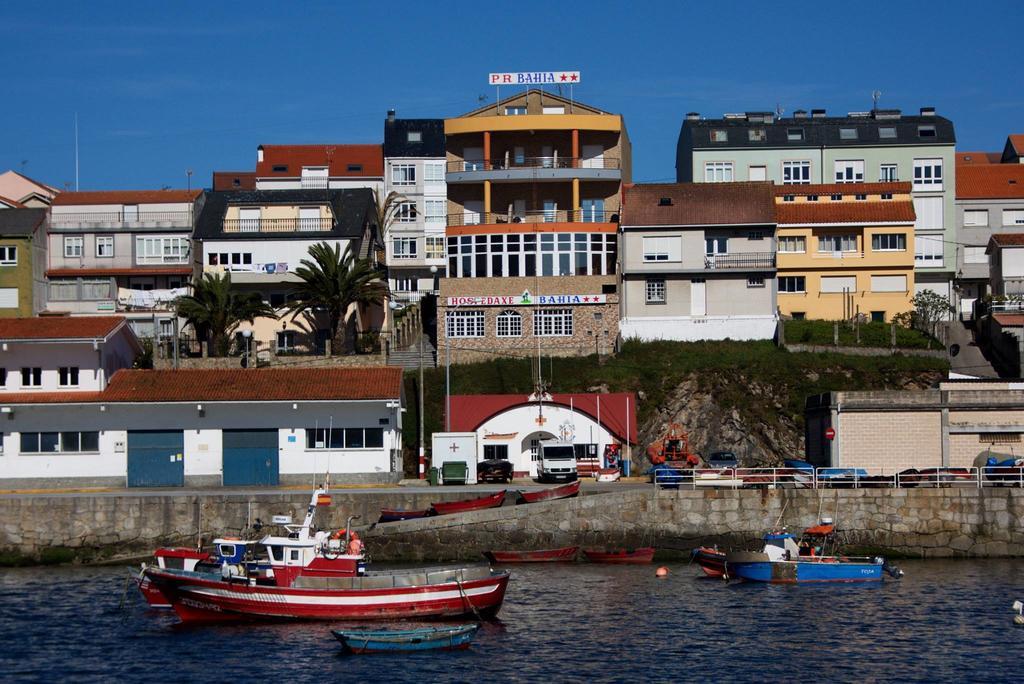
(830, 433)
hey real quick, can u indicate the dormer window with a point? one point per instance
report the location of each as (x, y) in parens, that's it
(837, 198)
(756, 135)
(860, 198)
(720, 135)
(812, 198)
(926, 131)
(795, 134)
(788, 198)
(887, 132)
(887, 195)
(414, 136)
(280, 168)
(665, 202)
(847, 133)
(354, 167)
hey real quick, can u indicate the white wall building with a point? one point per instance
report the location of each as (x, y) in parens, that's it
(319, 167)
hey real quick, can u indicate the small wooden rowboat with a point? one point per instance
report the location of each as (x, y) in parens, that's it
(710, 560)
(551, 493)
(489, 501)
(562, 555)
(641, 555)
(425, 639)
(396, 514)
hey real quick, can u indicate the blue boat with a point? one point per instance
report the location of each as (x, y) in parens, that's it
(451, 638)
(783, 561)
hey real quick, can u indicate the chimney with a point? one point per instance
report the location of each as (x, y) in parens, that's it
(259, 154)
(927, 111)
(817, 113)
(800, 114)
(391, 116)
(693, 116)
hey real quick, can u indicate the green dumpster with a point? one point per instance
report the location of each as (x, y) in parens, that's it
(432, 477)
(454, 472)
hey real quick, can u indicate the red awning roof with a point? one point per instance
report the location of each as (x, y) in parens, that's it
(470, 411)
(59, 327)
(126, 197)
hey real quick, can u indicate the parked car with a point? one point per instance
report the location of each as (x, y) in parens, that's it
(494, 470)
(723, 459)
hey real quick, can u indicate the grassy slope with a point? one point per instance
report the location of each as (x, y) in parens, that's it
(725, 369)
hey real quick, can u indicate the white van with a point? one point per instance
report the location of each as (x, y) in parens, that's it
(556, 461)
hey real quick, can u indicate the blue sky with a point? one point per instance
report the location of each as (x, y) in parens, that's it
(161, 88)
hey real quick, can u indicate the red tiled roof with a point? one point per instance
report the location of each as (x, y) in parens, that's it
(828, 212)
(15, 204)
(697, 204)
(213, 385)
(990, 181)
(1009, 320)
(842, 189)
(225, 180)
(140, 271)
(125, 197)
(1008, 239)
(59, 327)
(336, 157)
(1017, 141)
(977, 158)
(470, 411)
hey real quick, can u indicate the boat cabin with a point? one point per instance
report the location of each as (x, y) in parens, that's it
(780, 546)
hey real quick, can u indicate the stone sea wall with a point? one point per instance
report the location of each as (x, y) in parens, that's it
(912, 522)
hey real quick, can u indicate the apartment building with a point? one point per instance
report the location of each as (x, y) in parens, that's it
(414, 168)
(698, 262)
(534, 183)
(123, 251)
(261, 237)
(845, 250)
(862, 147)
(22, 261)
(318, 167)
(19, 191)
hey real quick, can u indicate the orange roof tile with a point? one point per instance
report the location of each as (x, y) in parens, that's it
(125, 197)
(1017, 140)
(695, 204)
(977, 158)
(1009, 320)
(338, 159)
(865, 212)
(59, 327)
(843, 189)
(1008, 239)
(990, 181)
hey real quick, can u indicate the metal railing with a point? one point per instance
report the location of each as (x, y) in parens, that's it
(541, 216)
(749, 260)
(552, 162)
(838, 478)
(314, 182)
(106, 218)
(278, 225)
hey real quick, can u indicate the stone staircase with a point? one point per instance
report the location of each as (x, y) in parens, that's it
(409, 357)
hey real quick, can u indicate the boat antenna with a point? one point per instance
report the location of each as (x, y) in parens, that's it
(779, 521)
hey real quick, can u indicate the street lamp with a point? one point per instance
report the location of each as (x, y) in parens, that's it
(247, 337)
(423, 449)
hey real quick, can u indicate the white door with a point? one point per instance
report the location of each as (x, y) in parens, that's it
(131, 213)
(474, 157)
(309, 218)
(550, 211)
(249, 220)
(474, 208)
(698, 297)
(593, 157)
(757, 173)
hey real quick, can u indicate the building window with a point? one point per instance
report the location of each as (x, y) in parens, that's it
(794, 244)
(464, 323)
(888, 283)
(8, 256)
(31, 377)
(406, 284)
(280, 168)
(755, 281)
(414, 136)
(104, 245)
(755, 235)
(354, 168)
(161, 250)
(510, 324)
(847, 133)
(851, 171)
(1013, 217)
(404, 248)
(860, 198)
(403, 174)
(345, 438)
(496, 451)
(928, 174)
(796, 172)
(73, 245)
(68, 376)
(886, 195)
(926, 131)
(60, 442)
(716, 245)
(515, 111)
(789, 198)
(434, 247)
(435, 210)
(719, 135)
(795, 134)
(792, 284)
(98, 289)
(552, 323)
(756, 135)
(433, 172)
(812, 198)
(285, 341)
(836, 197)
(889, 242)
(717, 172)
(887, 132)
(976, 217)
(888, 173)
(837, 243)
(661, 249)
(654, 291)
(63, 290)
(405, 212)
(928, 250)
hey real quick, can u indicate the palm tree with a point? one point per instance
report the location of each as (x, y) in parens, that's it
(387, 211)
(333, 282)
(214, 311)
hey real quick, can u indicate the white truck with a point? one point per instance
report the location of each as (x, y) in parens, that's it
(556, 461)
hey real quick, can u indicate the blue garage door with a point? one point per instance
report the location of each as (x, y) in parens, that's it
(156, 458)
(250, 457)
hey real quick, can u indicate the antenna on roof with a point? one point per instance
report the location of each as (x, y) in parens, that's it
(876, 95)
(481, 98)
(76, 151)
(779, 111)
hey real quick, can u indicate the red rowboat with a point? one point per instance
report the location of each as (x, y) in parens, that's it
(439, 592)
(641, 555)
(565, 491)
(562, 555)
(489, 501)
(710, 560)
(396, 514)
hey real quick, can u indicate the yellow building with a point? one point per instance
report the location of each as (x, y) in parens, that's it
(845, 249)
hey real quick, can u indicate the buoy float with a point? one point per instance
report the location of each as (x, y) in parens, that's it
(1018, 620)
(661, 572)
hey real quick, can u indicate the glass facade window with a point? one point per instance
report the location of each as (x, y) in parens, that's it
(889, 242)
(516, 255)
(510, 324)
(464, 323)
(552, 323)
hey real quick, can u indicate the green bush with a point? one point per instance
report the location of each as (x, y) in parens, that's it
(872, 334)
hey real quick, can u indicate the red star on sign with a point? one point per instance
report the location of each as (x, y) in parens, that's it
(564, 77)
(573, 77)
(586, 299)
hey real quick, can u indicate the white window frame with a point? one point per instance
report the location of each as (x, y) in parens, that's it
(889, 242)
(553, 323)
(515, 110)
(9, 255)
(796, 281)
(74, 246)
(161, 249)
(928, 251)
(403, 248)
(928, 174)
(849, 170)
(659, 249)
(888, 173)
(103, 241)
(403, 174)
(799, 172)
(433, 172)
(976, 217)
(434, 210)
(405, 212)
(847, 243)
(1013, 217)
(755, 281)
(34, 375)
(718, 172)
(655, 291)
(68, 376)
(433, 247)
(462, 324)
(510, 324)
(786, 241)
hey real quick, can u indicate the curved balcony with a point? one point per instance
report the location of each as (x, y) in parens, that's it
(534, 169)
(532, 217)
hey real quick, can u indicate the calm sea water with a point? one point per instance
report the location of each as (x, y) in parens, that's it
(944, 621)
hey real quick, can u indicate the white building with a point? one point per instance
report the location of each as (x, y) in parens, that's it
(414, 167)
(207, 428)
(319, 167)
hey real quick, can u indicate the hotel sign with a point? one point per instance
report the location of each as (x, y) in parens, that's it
(526, 299)
(534, 78)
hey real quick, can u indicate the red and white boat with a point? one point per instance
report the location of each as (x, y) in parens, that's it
(562, 555)
(710, 560)
(169, 558)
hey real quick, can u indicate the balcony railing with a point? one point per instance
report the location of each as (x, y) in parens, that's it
(553, 162)
(107, 218)
(278, 225)
(314, 183)
(542, 216)
(744, 260)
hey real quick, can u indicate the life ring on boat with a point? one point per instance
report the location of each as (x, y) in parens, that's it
(338, 534)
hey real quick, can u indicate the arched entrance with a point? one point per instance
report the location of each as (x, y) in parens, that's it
(528, 448)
